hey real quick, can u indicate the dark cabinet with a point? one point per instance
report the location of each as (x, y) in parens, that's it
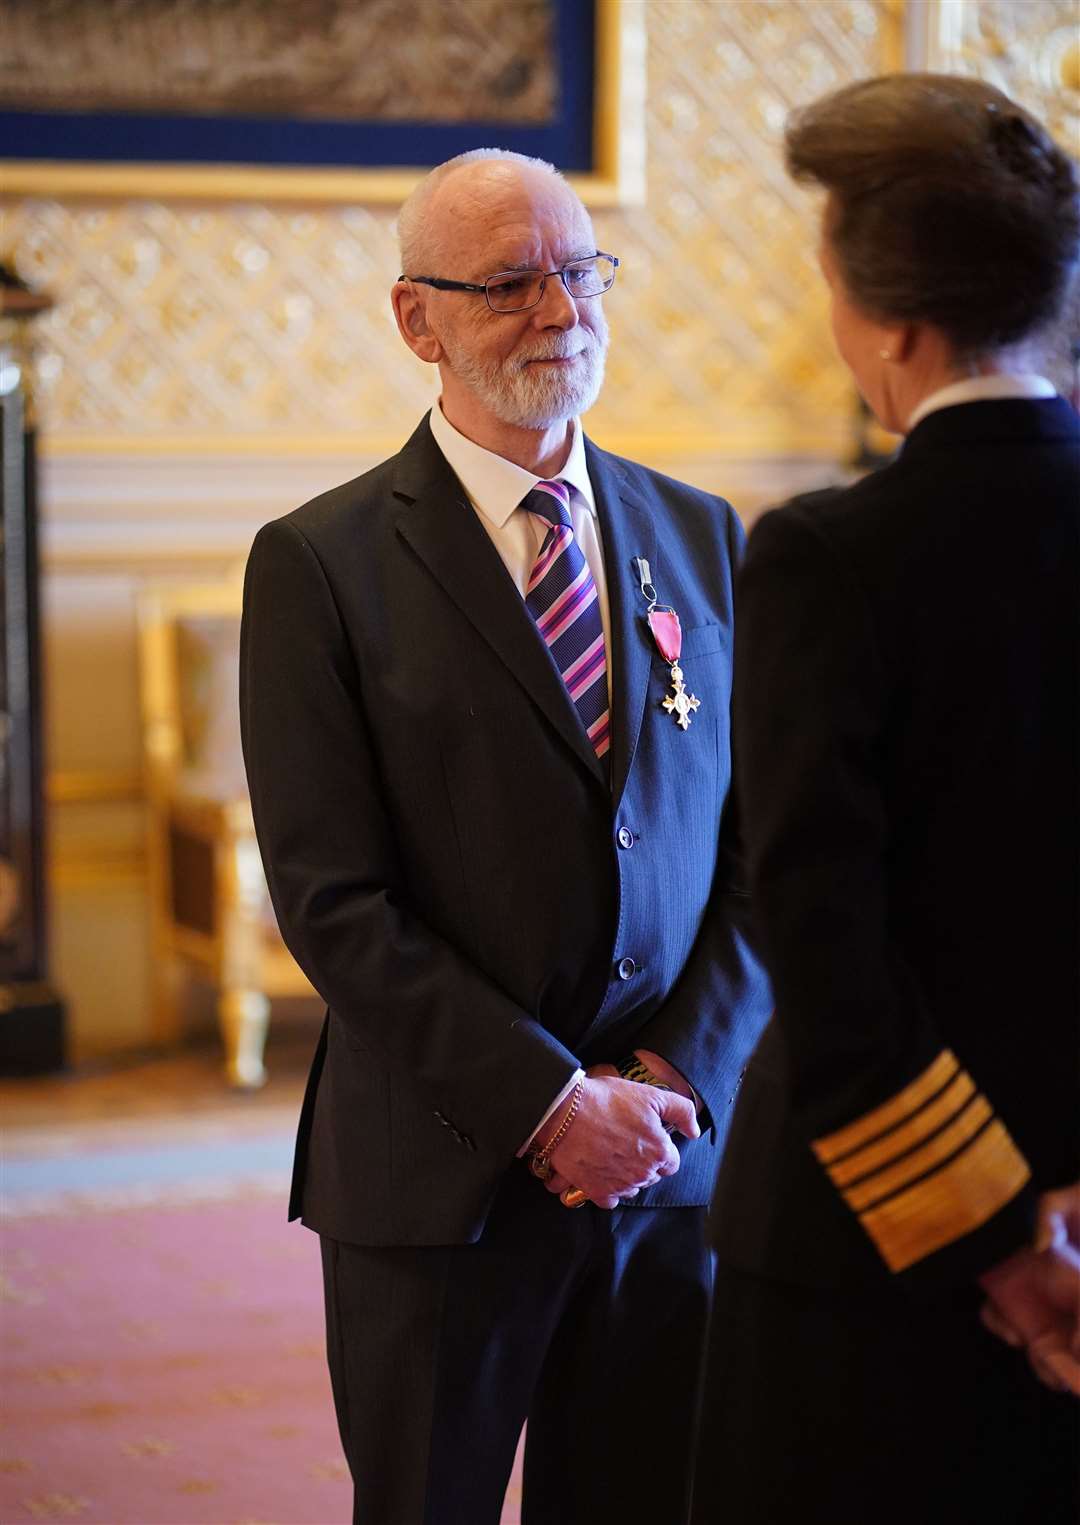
(31, 1014)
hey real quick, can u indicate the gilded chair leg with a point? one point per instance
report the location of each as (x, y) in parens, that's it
(244, 1016)
(243, 1010)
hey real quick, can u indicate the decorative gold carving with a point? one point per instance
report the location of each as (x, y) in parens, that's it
(1030, 50)
(202, 323)
(384, 60)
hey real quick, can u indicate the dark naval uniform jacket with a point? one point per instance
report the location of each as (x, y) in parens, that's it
(480, 905)
(910, 775)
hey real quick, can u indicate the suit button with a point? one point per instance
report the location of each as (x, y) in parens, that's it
(625, 968)
(625, 837)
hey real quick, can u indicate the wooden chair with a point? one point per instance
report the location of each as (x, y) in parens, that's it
(210, 908)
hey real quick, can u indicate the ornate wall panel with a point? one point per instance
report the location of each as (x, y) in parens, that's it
(1028, 48)
(1031, 50)
(195, 325)
(720, 330)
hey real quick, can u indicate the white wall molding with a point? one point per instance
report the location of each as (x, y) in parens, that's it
(184, 515)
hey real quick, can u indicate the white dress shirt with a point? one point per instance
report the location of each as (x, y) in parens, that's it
(495, 488)
(982, 389)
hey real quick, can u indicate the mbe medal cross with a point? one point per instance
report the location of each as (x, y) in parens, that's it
(679, 703)
(667, 633)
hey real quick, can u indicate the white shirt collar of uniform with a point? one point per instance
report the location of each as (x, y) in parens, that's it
(495, 485)
(982, 389)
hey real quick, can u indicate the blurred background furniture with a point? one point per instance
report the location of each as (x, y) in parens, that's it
(210, 910)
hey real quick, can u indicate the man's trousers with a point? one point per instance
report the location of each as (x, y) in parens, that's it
(590, 1324)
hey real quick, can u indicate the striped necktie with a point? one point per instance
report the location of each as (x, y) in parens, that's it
(561, 597)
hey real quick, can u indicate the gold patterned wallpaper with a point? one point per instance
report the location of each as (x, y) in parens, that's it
(207, 324)
(212, 326)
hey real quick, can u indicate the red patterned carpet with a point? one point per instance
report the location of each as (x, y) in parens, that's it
(162, 1334)
(165, 1365)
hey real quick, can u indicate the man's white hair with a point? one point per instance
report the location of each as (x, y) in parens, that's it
(417, 239)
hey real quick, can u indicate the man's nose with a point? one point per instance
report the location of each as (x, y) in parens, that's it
(556, 308)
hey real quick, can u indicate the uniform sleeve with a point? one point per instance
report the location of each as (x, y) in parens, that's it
(901, 1129)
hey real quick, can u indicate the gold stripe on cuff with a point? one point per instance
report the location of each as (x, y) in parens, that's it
(952, 1202)
(867, 1127)
(947, 1142)
(949, 1104)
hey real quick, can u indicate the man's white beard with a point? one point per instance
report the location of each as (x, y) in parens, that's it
(535, 397)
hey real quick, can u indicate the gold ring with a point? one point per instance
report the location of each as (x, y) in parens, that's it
(573, 1196)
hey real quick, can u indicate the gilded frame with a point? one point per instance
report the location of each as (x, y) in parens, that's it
(617, 179)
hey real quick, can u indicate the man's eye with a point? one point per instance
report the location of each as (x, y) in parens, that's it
(579, 275)
(508, 285)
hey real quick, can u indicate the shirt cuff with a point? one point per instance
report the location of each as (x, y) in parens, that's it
(555, 1105)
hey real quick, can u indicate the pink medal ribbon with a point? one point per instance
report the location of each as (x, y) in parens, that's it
(667, 633)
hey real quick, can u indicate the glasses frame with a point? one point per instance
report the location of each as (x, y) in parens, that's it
(441, 284)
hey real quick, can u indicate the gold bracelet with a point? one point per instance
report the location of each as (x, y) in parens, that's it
(540, 1159)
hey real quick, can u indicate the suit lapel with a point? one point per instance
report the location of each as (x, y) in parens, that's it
(440, 525)
(628, 529)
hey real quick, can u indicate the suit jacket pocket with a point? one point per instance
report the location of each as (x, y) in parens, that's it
(700, 639)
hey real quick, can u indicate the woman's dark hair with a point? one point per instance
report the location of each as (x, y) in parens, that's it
(949, 204)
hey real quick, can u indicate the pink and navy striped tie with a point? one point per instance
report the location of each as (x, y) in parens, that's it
(562, 599)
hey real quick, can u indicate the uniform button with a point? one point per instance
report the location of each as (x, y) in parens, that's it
(626, 967)
(625, 837)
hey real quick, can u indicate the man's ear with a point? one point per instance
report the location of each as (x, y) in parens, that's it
(410, 310)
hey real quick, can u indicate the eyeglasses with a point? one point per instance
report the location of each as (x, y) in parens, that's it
(516, 290)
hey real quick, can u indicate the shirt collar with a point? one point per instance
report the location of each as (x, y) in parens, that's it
(983, 389)
(495, 485)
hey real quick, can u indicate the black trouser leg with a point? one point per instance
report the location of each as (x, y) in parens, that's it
(590, 1323)
(612, 1425)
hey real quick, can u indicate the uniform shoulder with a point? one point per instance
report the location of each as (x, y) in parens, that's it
(838, 514)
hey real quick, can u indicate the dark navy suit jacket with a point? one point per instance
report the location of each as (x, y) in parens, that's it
(909, 723)
(443, 847)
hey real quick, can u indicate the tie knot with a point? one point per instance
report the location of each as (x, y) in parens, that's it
(550, 501)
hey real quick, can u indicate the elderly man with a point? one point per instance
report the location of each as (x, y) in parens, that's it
(485, 700)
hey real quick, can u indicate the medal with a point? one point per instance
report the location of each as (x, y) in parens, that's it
(667, 633)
